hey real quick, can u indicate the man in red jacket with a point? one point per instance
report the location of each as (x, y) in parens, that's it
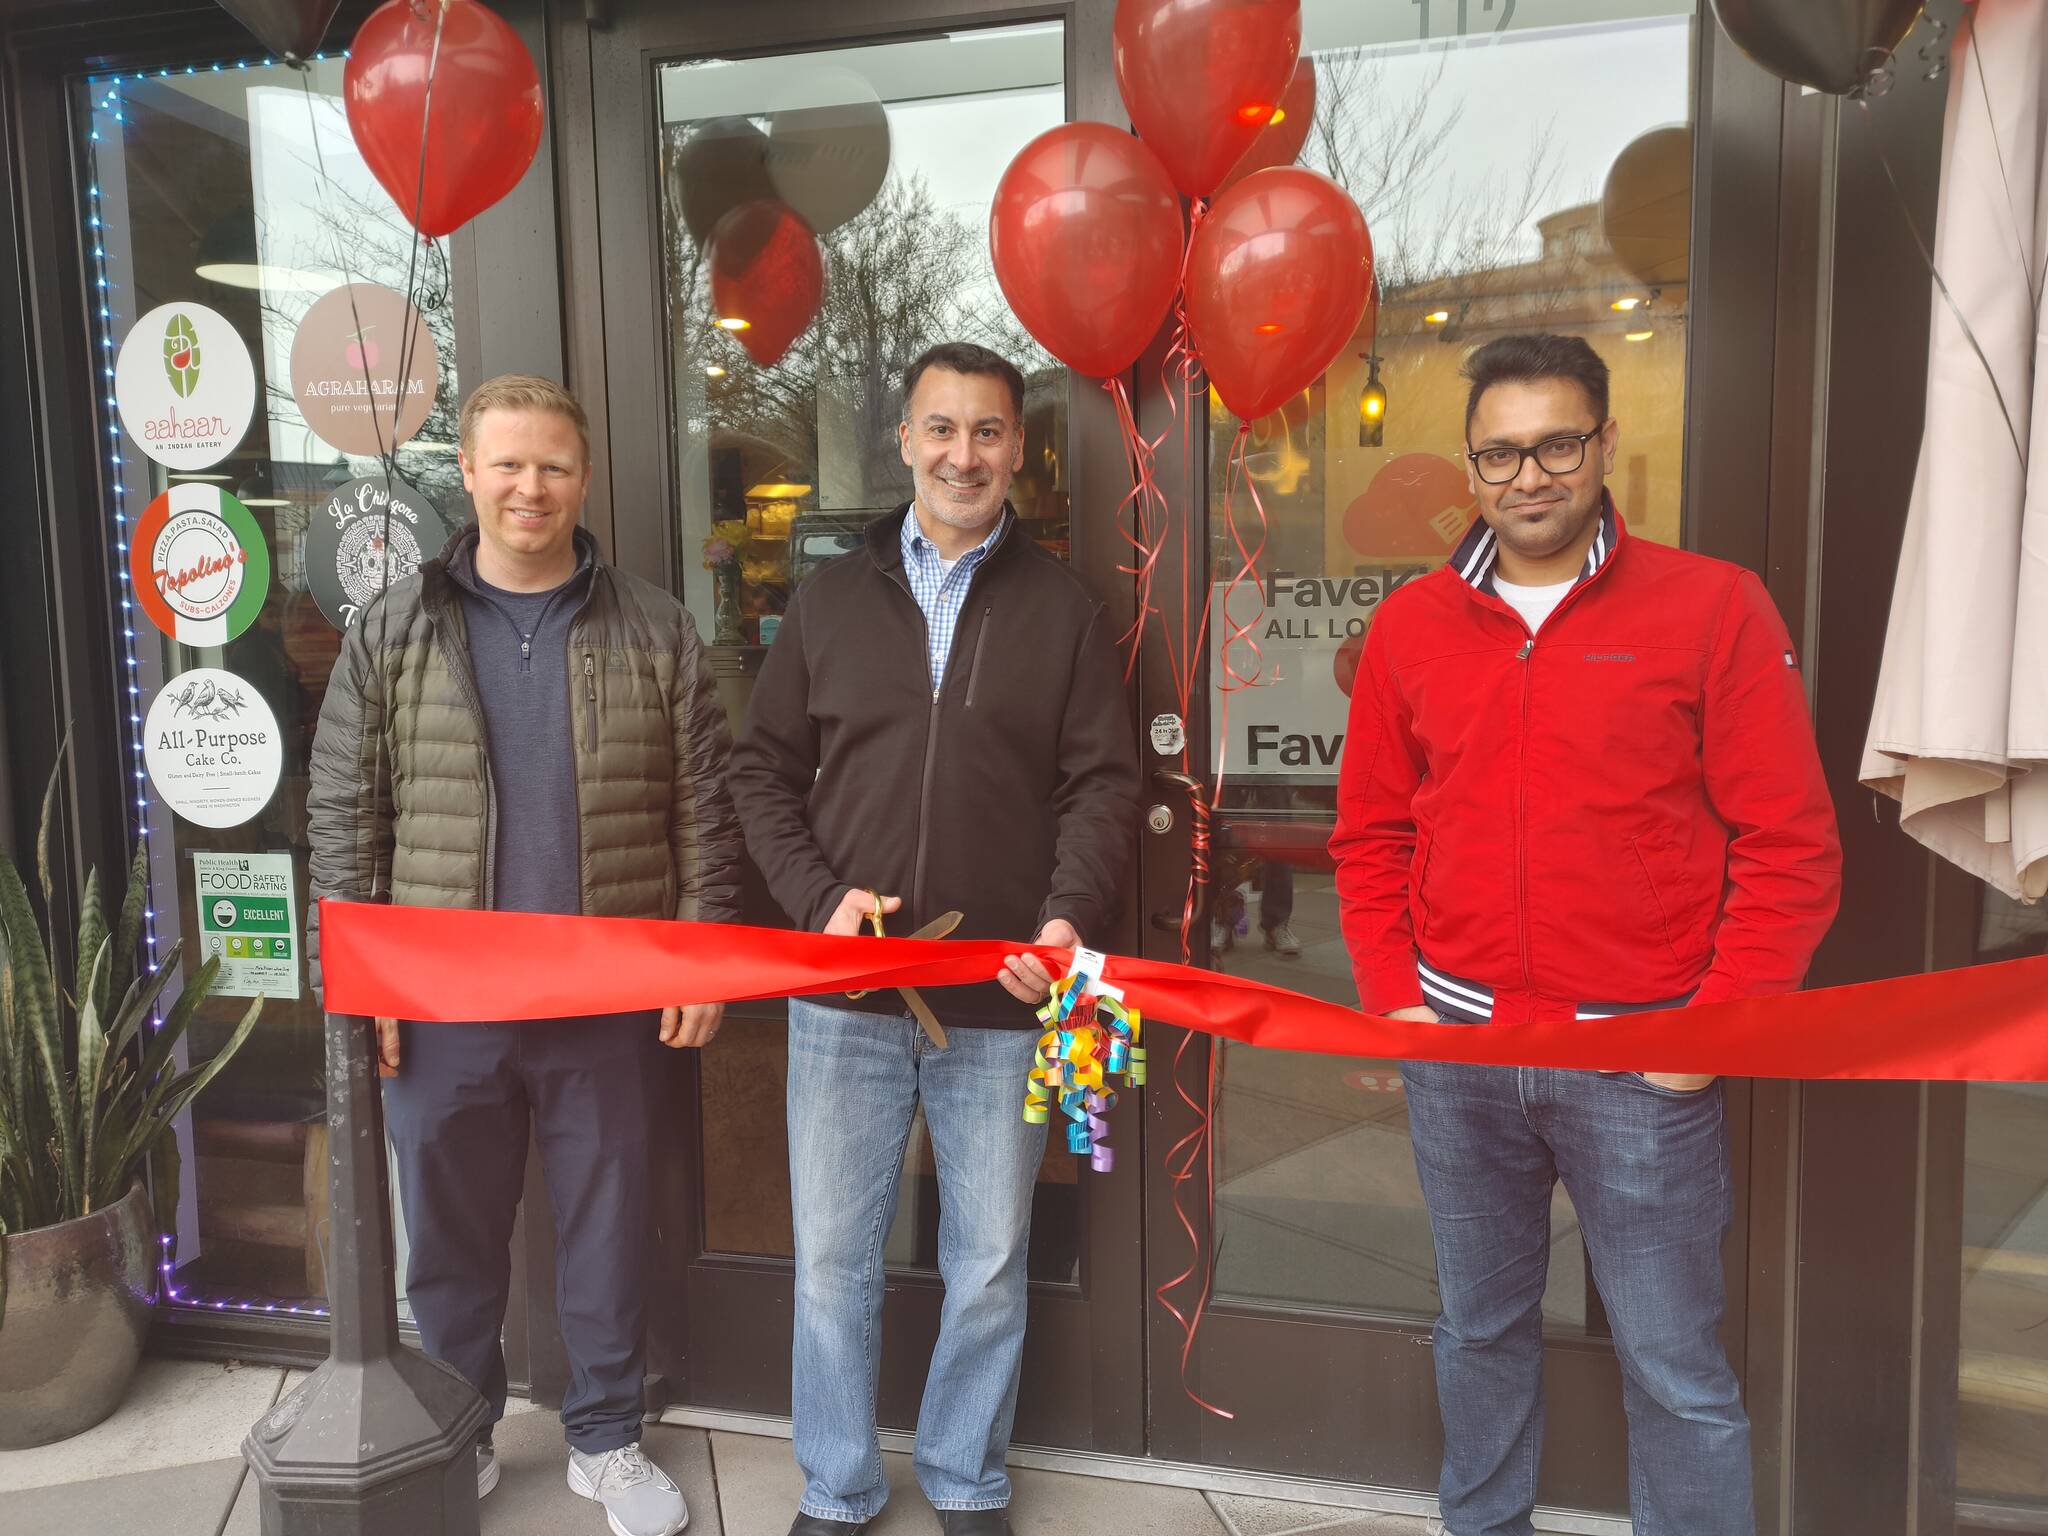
(1579, 781)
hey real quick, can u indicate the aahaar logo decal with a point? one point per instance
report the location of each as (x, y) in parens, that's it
(199, 564)
(184, 386)
(181, 356)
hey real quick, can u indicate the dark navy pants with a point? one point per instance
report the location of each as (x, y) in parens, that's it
(458, 1114)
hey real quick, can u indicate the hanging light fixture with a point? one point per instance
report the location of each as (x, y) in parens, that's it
(1372, 405)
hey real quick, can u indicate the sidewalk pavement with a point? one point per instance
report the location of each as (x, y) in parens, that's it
(169, 1463)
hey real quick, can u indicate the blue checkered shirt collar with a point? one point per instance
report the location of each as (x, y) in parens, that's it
(940, 593)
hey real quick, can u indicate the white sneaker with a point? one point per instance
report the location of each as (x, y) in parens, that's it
(486, 1468)
(638, 1497)
(1282, 938)
(1219, 938)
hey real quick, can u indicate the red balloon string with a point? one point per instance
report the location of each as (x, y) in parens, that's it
(1195, 1150)
(1145, 531)
(1228, 629)
(1181, 378)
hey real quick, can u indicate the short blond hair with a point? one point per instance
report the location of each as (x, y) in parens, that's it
(521, 392)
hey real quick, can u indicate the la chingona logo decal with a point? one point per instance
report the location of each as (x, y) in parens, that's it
(370, 534)
(199, 564)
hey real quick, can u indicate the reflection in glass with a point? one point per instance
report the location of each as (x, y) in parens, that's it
(785, 442)
(242, 190)
(1362, 486)
(2002, 1383)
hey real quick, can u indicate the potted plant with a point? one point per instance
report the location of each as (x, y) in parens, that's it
(88, 1093)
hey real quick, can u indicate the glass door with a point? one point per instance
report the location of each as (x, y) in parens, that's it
(1496, 203)
(794, 204)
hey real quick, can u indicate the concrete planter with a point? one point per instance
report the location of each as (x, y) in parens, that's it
(79, 1297)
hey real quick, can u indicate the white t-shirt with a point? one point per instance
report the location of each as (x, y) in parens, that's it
(946, 568)
(1534, 604)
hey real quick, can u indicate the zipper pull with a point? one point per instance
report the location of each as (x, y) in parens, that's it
(590, 677)
(1527, 646)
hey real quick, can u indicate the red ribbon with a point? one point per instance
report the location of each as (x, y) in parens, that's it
(1987, 1023)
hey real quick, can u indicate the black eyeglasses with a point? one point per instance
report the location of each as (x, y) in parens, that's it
(1554, 455)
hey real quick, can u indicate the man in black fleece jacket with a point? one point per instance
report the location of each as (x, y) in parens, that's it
(940, 726)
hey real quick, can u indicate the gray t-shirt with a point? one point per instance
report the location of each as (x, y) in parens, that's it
(519, 653)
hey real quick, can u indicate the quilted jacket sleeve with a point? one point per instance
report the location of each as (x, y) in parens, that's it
(348, 799)
(704, 830)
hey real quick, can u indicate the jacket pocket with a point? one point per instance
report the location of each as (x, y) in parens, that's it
(1657, 902)
(1418, 889)
(974, 666)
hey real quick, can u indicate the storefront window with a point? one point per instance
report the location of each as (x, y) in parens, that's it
(254, 279)
(2002, 1385)
(1576, 222)
(824, 220)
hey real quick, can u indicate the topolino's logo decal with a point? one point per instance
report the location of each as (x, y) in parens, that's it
(200, 564)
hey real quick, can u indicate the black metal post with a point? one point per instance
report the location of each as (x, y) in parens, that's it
(377, 1441)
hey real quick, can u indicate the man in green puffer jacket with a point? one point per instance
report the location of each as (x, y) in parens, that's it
(523, 727)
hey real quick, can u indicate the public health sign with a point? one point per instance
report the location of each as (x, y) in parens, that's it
(199, 564)
(184, 386)
(1303, 635)
(248, 917)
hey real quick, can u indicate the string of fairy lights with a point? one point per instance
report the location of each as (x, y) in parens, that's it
(109, 299)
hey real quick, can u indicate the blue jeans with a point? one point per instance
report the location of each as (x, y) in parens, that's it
(855, 1081)
(1647, 1172)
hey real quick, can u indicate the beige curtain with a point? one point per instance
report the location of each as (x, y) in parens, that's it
(1959, 731)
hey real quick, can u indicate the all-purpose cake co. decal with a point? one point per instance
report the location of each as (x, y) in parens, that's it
(212, 748)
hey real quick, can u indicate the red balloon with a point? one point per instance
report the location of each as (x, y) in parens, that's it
(1085, 234)
(1279, 274)
(486, 106)
(1200, 78)
(1285, 132)
(766, 271)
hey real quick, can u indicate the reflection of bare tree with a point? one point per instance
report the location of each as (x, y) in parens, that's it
(1385, 146)
(902, 275)
(1377, 145)
(371, 240)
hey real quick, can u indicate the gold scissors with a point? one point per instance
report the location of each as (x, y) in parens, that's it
(937, 928)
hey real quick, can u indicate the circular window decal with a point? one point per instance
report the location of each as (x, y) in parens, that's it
(200, 564)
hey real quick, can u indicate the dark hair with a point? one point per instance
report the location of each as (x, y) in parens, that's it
(1534, 356)
(965, 357)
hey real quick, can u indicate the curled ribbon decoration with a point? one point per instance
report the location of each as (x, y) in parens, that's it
(1091, 1037)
